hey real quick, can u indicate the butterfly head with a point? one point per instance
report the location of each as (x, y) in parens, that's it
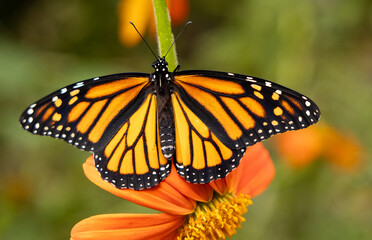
(160, 65)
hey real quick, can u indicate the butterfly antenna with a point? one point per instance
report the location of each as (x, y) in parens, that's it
(143, 39)
(183, 29)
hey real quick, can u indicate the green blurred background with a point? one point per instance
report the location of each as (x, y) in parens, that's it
(322, 48)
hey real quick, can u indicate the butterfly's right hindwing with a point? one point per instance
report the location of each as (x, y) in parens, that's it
(200, 156)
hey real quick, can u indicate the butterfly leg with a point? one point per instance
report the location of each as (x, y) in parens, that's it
(177, 68)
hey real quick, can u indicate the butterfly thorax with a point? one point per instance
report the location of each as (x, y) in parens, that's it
(161, 78)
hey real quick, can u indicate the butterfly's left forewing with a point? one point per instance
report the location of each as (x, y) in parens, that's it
(87, 114)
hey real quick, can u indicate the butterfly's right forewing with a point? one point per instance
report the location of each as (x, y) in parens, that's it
(243, 110)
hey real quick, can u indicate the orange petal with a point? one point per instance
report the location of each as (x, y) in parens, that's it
(140, 13)
(198, 192)
(178, 11)
(343, 150)
(300, 148)
(127, 226)
(254, 173)
(162, 197)
(220, 186)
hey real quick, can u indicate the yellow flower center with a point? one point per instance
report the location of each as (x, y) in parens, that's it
(216, 219)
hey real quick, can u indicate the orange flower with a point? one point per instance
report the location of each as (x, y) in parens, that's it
(141, 13)
(190, 211)
(303, 147)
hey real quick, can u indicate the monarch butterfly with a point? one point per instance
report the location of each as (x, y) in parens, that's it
(134, 123)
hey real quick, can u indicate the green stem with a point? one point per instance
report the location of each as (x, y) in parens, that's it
(164, 33)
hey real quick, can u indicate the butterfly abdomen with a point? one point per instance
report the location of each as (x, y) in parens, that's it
(165, 111)
(166, 125)
(166, 137)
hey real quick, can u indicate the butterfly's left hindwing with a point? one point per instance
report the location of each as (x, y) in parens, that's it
(132, 158)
